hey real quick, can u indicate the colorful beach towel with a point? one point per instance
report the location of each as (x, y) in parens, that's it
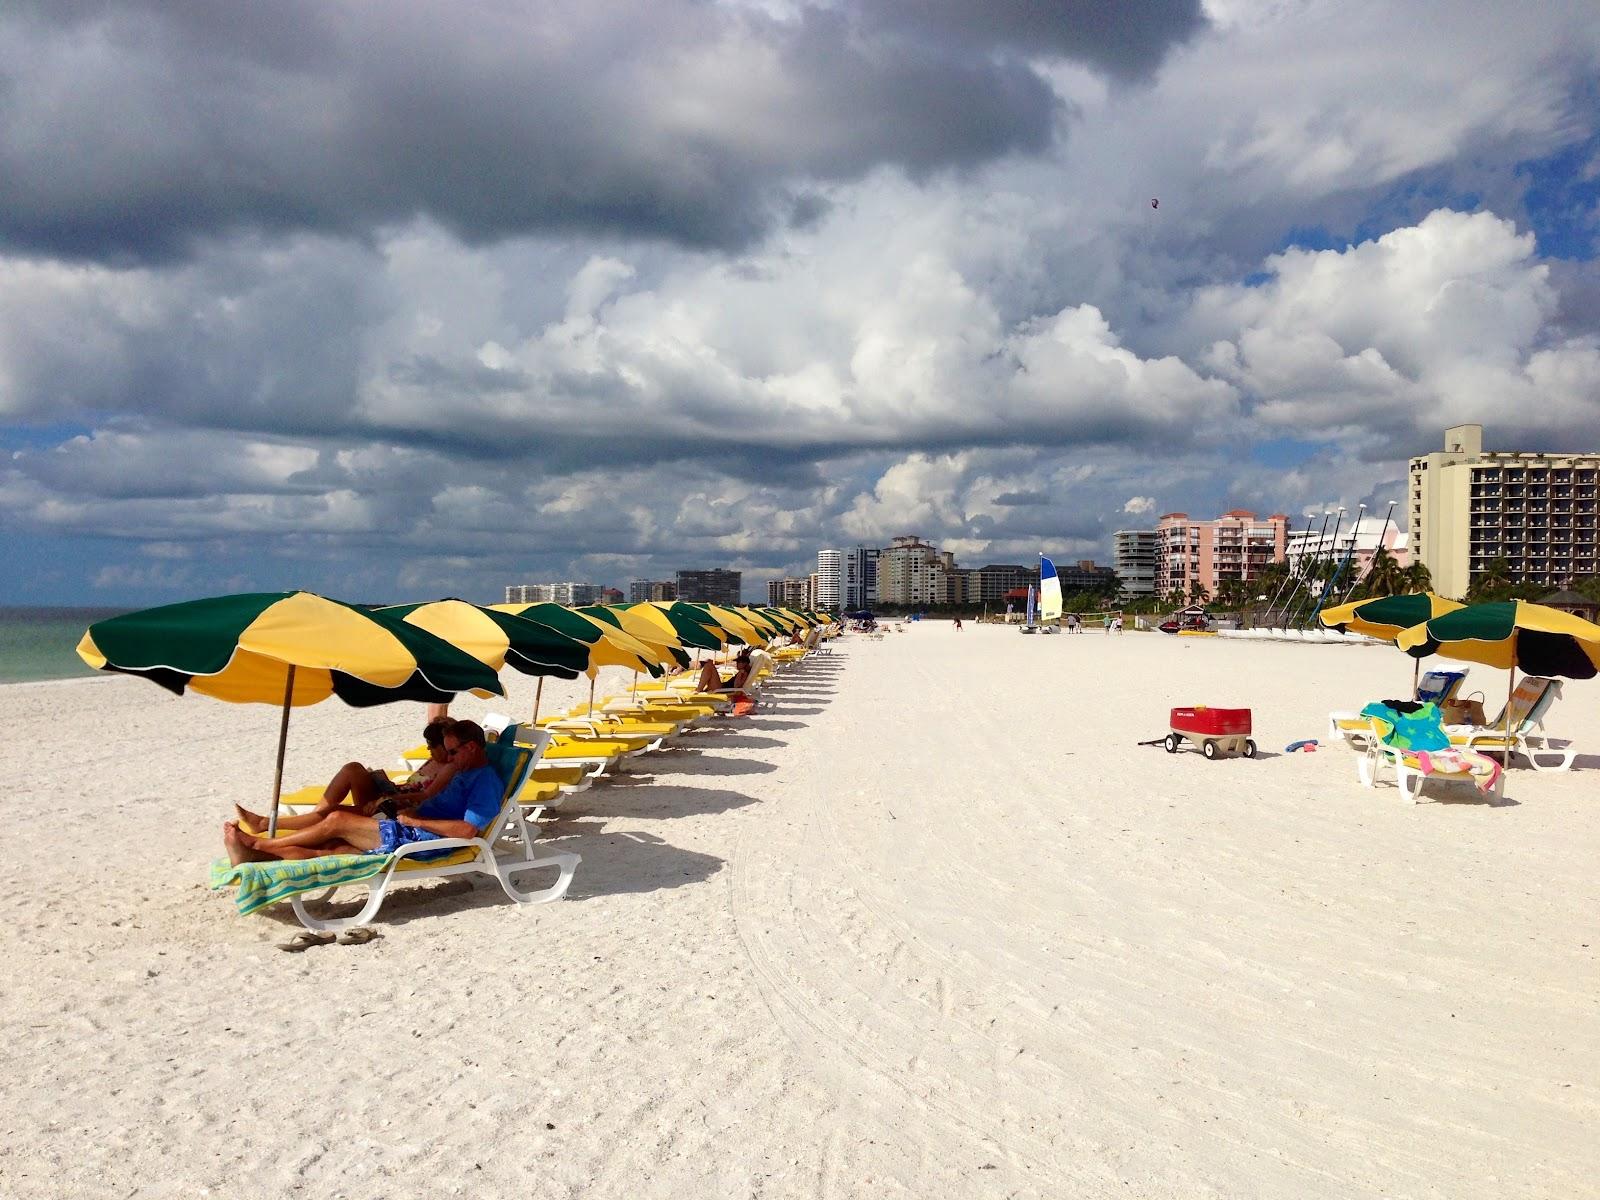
(1484, 770)
(264, 883)
(1419, 729)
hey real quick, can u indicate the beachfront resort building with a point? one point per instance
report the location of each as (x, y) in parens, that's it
(789, 592)
(911, 572)
(860, 578)
(1535, 510)
(642, 590)
(991, 584)
(828, 586)
(1135, 560)
(1194, 556)
(554, 593)
(710, 587)
(1351, 542)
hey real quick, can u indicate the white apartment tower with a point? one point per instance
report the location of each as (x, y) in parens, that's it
(829, 589)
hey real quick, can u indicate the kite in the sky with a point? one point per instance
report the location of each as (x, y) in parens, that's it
(1155, 204)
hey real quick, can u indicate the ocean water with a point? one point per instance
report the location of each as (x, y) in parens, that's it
(41, 643)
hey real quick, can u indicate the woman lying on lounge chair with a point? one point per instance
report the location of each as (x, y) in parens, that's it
(365, 788)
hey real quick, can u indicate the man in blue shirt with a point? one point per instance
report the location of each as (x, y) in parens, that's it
(463, 809)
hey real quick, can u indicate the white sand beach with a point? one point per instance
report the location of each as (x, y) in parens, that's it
(932, 925)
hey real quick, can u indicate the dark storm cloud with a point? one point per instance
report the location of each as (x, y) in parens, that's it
(129, 129)
(1125, 40)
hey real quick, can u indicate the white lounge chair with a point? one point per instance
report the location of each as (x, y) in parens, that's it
(1519, 729)
(470, 856)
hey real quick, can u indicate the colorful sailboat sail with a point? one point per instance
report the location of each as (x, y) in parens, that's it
(1049, 591)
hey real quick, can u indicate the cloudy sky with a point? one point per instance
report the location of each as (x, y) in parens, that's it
(399, 300)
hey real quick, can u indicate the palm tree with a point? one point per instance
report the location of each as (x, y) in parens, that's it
(1416, 577)
(1491, 582)
(1384, 576)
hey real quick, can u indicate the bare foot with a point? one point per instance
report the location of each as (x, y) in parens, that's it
(239, 851)
(246, 817)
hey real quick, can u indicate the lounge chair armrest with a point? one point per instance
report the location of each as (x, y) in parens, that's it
(411, 848)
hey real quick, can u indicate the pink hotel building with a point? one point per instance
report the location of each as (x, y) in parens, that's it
(1236, 546)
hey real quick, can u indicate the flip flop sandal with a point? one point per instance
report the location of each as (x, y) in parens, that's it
(304, 940)
(359, 936)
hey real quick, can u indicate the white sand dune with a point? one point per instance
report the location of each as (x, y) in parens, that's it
(933, 925)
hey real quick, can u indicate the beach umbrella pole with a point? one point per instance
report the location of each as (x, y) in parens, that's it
(538, 692)
(283, 742)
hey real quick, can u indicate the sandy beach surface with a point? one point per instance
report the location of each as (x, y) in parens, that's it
(930, 925)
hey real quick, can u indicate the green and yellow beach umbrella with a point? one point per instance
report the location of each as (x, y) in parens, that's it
(609, 645)
(1386, 617)
(766, 627)
(498, 639)
(1511, 635)
(738, 626)
(677, 621)
(286, 648)
(662, 641)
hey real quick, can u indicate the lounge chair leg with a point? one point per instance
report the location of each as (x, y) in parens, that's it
(568, 864)
(377, 889)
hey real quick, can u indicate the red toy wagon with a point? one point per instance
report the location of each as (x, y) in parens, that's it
(1212, 729)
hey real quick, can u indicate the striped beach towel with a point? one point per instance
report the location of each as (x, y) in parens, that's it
(264, 883)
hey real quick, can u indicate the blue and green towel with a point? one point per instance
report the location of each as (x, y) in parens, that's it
(264, 883)
(1419, 729)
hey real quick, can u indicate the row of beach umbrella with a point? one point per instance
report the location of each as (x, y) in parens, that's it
(294, 649)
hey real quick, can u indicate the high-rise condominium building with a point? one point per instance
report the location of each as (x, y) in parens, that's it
(713, 587)
(860, 578)
(912, 572)
(829, 590)
(1469, 507)
(554, 593)
(1135, 560)
(1236, 547)
(789, 593)
(651, 589)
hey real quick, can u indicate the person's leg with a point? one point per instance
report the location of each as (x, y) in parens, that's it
(342, 825)
(353, 781)
(435, 711)
(241, 848)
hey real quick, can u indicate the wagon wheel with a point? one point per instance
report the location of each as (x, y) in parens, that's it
(1171, 743)
(1249, 748)
(1209, 749)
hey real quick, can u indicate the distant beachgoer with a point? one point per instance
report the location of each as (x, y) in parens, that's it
(462, 809)
(957, 621)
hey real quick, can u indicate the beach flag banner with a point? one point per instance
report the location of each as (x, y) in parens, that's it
(1049, 591)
